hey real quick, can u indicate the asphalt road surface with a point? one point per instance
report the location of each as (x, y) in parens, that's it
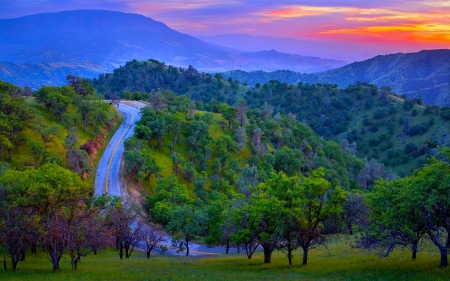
(107, 177)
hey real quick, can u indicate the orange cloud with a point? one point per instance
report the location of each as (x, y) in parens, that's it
(433, 33)
(387, 24)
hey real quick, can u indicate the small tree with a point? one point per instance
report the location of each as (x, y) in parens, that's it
(186, 223)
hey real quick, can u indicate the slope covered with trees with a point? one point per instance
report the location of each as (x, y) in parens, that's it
(424, 75)
(370, 122)
(249, 178)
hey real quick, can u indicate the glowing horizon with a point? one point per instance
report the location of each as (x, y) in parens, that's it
(413, 23)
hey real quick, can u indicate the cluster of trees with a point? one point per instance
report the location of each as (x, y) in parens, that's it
(137, 79)
(406, 211)
(51, 208)
(15, 118)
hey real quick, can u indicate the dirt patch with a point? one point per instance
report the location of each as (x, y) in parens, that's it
(132, 194)
(135, 103)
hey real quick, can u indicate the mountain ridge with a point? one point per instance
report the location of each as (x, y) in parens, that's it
(113, 38)
(424, 74)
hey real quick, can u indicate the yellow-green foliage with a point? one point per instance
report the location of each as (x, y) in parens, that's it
(56, 148)
(338, 262)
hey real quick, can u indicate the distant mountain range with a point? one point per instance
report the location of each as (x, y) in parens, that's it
(425, 74)
(44, 48)
(113, 38)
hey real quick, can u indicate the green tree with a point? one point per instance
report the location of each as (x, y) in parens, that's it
(316, 206)
(419, 203)
(186, 223)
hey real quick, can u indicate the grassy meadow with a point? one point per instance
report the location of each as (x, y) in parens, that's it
(336, 262)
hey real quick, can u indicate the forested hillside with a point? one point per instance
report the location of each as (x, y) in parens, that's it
(369, 121)
(243, 177)
(424, 75)
(66, 125)
(199, 167)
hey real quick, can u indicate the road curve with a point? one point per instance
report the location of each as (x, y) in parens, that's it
(107, 177)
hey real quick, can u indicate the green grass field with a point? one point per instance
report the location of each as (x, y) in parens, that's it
(338, 262)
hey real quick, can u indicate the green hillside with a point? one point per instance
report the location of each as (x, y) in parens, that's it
(48, 127)
(372, 117)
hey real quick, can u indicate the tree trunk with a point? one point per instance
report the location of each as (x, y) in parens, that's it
(305, 256)
(227, 247)
(22, 255)
(54, 258)
(187, 249)
(85, 124)
(290, 256)
(4, 263)
(350, 228)
(14, 263)
(267, 253)
(414, 249)
(121, 252)
(33, 248)
(148, 254)
(444, 257)
(238, 249)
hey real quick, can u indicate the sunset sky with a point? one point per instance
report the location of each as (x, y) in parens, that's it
(417, 24)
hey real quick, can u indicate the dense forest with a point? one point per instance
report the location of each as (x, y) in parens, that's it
(398, 132)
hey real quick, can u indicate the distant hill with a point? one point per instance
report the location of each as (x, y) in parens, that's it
(425, 74)
(48, 73)
(113, 38)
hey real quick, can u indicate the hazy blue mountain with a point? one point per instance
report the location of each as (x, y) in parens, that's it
(424, 74)
(36, 74)
(112, 38)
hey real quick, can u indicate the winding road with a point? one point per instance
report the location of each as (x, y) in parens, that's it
(107, 177)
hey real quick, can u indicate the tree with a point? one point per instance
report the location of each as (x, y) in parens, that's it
(355, 211)
(186, 223)
(149, 237)
(125, 237)
(51, 195)
(316, 206)
(264, 219)
(248, 180)
(88, 233)
(266, 111)
(403, 210)
(47, 133)
(288, 160)
(141, 163)
(241, 137)
(80, 85)
(242, 114)
(230, 114)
